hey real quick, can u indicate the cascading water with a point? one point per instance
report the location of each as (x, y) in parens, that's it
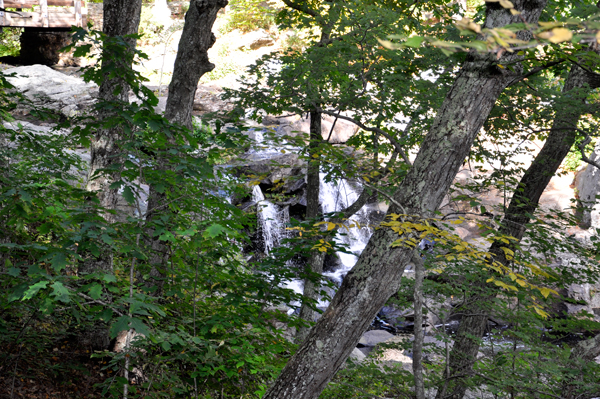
(271, 220)
(334, 197)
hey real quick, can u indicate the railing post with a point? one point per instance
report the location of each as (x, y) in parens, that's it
(44, 12)
(78, 19)
(2, 13)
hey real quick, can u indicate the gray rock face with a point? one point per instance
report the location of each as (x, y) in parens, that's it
(587, 183)
(48, 88)
(374, 337)
(357, 356)
(342, 129)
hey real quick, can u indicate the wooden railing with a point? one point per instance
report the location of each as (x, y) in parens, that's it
(62, 14)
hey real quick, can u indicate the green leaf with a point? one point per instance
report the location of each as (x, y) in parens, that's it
(121, 324)
(109, 278)
(60, 292)
(106, 238)
(106, 315)
(96, 291)
(128, 195)
(34, 289)
(59, 261)
(14, 271)
(139, 326)
(414, 41)
(45, 228)
(214, 230)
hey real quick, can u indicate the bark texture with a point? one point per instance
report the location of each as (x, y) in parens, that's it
(523, 204)
(379, 269)
(121, 17)
(190, 64)
(315, 262)
(192, 59)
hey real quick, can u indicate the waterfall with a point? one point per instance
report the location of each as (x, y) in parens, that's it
(335, 196)
(271, 221)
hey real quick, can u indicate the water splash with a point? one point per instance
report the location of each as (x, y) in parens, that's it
(271, 220)
(334, 196)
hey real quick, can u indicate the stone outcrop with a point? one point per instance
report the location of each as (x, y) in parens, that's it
(51, 89)
(587, 184)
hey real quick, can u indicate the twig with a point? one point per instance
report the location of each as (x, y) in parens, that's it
(81, 294)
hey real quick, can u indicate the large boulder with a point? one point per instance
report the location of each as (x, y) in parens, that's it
(374, 337)
(292, 125)
(51, 89)
(587, 184)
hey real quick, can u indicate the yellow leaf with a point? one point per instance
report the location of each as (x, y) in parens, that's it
(549, 25)
(458, 221)
(366, 179)
(598, 36)
(547, 291)
(330, 226)
(489, 280)
(560, 35)
(514, 12)
(521, 283)
(541, 312)
(506, 4)
(283, 151)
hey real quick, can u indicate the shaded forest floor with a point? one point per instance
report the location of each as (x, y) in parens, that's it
(43, 371)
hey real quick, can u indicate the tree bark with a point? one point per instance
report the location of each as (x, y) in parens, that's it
(190, 64)
(192, 59)
(121, 17)
(523, 204)
(315, 262)
(379, 269)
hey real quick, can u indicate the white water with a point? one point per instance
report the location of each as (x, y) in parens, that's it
(271, 220)
(335, 196)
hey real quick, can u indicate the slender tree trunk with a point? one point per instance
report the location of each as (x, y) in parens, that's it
(418, 342)
(190, 64)
(379, 269)
(315, 262)
(121, 17)
(524, 203)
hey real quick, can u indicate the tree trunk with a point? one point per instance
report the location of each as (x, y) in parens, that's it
(192, 59)
(379, 269)
(315, 263)
(190, 64)
(121, 17)
(523, 204)
(584, 351)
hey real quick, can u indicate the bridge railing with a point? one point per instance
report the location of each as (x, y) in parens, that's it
(47, 13)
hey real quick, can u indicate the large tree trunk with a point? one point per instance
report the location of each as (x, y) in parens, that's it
(190, 64)
(524, 203)
(315, 262)
(379, 269)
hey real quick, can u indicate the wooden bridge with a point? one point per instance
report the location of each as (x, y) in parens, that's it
(46, 13)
